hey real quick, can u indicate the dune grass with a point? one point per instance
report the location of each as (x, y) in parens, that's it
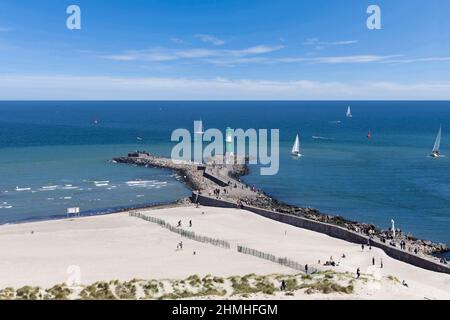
(328, 282)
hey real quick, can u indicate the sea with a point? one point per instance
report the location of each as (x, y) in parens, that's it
(55, 155)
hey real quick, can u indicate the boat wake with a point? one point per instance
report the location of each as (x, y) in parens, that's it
(23, 189)
(146, 184)
(321, 138)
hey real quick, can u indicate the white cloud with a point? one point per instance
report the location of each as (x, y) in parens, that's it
(178, 41)
(352, 59)
(318, 60)
(39, 87)
(414, 60)
(319, 45)
(315, 41)
(260, 49)
(164, 54)
(210, 39)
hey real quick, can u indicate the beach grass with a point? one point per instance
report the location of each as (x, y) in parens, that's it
(194, 286)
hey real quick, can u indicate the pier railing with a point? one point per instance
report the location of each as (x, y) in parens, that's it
(184, 233)
(270, 257)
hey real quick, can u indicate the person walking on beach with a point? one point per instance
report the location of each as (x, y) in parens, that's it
(358, 273)
(306, 268)
(283, 285)
(362, 247)
(179, 223)
(373, 261)
(381, 263)
(190, 223)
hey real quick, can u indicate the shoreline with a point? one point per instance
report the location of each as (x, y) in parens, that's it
(101, 212)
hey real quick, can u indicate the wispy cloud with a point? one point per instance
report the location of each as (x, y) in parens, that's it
(178, 41)
(64, 87)
(316, 41)
(351, 59)
(259, 55)
(210, 39)
(415, 60)
(319, 45)
(164, 54)
(255, 54)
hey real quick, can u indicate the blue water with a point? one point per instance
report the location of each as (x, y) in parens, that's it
(391, 176)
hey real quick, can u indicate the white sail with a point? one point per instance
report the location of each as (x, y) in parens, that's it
(296, 147)
(198, 127)
(437, 143)
(349, 112)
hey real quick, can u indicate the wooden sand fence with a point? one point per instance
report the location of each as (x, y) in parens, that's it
(270, 257)
(184, 233)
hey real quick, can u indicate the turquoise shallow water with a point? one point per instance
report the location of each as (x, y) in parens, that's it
(45, 144)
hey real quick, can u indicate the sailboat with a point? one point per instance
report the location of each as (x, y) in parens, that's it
(349, 112)
(198, 127)
(369, 135)
(296, 147)
(436, 153)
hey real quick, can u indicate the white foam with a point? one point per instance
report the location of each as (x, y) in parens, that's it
(101, 184)
(49, 187)
(144, 183)
(69, 188)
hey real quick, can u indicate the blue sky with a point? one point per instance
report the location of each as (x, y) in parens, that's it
(273, 49)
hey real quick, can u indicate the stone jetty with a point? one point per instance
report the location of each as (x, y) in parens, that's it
(223, 182)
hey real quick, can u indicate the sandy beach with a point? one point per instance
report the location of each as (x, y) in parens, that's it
(120, 247)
